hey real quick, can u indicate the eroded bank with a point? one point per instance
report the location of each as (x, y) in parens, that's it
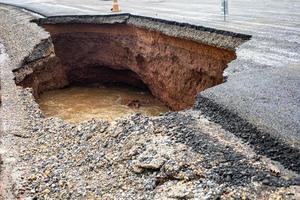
(175, 61)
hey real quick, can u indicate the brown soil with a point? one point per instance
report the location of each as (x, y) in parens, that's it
(174, 69)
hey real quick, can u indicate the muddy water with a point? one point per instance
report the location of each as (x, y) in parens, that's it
(77, 104)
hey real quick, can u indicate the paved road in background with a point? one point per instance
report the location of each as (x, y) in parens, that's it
(263, 84)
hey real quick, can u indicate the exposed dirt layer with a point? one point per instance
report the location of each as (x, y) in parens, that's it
(173, 68)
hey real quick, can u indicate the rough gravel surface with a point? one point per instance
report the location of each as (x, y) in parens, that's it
(178, 155)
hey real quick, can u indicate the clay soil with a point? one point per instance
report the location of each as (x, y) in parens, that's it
(174, 69)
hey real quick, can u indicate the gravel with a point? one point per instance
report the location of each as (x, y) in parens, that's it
(179, 155)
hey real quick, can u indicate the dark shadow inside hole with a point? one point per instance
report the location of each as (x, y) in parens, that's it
(100, 75)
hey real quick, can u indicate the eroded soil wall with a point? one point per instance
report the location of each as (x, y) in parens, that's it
(174, 69)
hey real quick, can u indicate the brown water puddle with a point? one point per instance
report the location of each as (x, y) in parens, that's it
(77, 104)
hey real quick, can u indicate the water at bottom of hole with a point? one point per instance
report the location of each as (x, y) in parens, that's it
(78, 104)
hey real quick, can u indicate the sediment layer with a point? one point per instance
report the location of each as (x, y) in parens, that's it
(174, 68)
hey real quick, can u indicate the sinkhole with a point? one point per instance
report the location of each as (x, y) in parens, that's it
(133, 63)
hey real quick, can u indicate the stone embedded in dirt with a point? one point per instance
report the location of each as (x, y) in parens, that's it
(176, 190)
(149, 163)
(134, 104)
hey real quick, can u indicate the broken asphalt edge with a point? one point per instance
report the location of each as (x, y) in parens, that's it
(260, 139)
(214, 37)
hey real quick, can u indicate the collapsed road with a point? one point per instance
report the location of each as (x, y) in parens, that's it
(193, 153)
